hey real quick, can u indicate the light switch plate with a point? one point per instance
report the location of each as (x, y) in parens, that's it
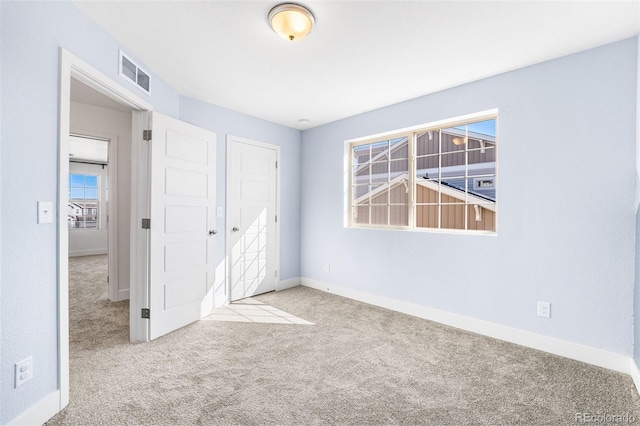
(45, 212)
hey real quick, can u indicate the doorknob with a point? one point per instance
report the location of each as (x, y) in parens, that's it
(212, 232)
(235, 229)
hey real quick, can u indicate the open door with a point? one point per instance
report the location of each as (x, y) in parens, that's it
(182, 224)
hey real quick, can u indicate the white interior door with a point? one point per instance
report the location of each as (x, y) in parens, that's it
(251, 219)
(182, 210)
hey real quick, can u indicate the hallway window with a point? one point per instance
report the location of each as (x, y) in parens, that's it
(84, 199)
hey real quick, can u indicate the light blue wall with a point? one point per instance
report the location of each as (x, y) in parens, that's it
(561, 123)
(225, 122)
(32, 33)
(1, 139)
(636, 299)
(636, 296)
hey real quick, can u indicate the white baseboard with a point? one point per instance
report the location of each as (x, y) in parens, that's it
(634, 371)
(94, 252)
(220, 301)
(289, 283)
(123, 295)
(576, 351)
(46, 408)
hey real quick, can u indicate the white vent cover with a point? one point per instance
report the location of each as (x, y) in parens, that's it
(132, 72)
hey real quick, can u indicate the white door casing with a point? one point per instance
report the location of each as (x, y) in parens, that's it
(252, 209)
(72, 66)
(182, 213)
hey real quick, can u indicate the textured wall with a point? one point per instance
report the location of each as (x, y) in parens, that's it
(32, 34)
(2, 40)
(561, 122)
(636, 299)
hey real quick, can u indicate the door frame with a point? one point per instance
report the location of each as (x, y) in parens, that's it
(112, 207)
(230, 140)
(139, 238)
(72, 66)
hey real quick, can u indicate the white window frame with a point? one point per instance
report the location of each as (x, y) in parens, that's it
(412, 133)
(84, 209)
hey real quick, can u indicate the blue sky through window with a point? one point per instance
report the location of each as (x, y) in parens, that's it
(83, 186)
(487, 127)
(76, 180)
(91, 181)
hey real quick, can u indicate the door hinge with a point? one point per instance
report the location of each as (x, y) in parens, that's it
(146, 313)
(276, 218)
(146, 135)
(276, 164)
(107, 279)
(276, 274)
(146, 223)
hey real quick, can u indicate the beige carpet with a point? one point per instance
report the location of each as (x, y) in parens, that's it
(356, 364)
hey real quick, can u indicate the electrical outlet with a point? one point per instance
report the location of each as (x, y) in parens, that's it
(544, 309)
(327, 267)
(24, 371)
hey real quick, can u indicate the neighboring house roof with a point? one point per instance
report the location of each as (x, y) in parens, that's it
(398, 145)
(445, 188)
(458, 193)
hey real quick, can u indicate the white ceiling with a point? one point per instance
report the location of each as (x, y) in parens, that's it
(82, 93)
(362, 55)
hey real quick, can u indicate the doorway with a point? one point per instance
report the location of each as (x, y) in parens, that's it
(252, 217)
(100, 157)
(180, 144)
(72, 71)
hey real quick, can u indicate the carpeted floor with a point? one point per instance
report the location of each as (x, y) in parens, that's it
(356, 364)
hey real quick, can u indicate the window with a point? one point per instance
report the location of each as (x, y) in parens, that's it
(380, 178)
(84, 199)
(441, 177)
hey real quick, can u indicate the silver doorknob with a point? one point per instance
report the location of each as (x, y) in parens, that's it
(212, 232)
(235, 229)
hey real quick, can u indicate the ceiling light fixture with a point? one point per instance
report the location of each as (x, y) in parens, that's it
(291, 21)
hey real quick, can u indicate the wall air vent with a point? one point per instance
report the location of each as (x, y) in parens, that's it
(132, 72)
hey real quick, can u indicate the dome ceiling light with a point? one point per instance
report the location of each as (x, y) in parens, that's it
(291, 21)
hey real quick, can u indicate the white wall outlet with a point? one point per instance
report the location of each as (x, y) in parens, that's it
(24, 371)
(327, 267)
(45, 212)
(544, 309)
